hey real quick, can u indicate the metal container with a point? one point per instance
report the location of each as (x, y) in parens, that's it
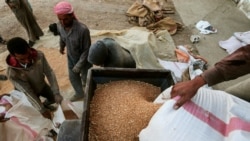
(159, 77)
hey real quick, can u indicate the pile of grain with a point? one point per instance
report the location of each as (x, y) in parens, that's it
(120, 110)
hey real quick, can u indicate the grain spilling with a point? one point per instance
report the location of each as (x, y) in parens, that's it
(119, 110)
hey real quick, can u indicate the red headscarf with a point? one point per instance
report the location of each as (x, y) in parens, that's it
(64, 7)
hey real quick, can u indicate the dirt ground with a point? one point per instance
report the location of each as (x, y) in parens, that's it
(96, 14)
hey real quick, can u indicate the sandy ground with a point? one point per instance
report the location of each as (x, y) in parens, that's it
(96, 14)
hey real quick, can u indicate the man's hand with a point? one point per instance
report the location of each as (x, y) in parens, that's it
(76, 69)
(47, 114)
(62, 50)
(186, 90)
(58, 98)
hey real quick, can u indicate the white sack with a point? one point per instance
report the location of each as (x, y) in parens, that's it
(26, 123)
(163, 96)
(211, 116)
(176, 67)
(203, 26)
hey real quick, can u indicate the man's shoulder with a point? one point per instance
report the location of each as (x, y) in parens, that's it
(39, 51)
(110, 42)
(35, 52)
(80, 25)
(40, 54)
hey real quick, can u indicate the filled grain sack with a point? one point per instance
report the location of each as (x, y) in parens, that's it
(211, 115)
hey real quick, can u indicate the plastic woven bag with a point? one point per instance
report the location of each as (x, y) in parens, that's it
(211, 116)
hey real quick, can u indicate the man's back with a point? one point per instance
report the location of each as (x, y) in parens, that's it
(108, 53)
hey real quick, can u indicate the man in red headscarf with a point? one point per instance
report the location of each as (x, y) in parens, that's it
(75, 36)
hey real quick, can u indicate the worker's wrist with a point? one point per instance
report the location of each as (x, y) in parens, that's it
(199, 81)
